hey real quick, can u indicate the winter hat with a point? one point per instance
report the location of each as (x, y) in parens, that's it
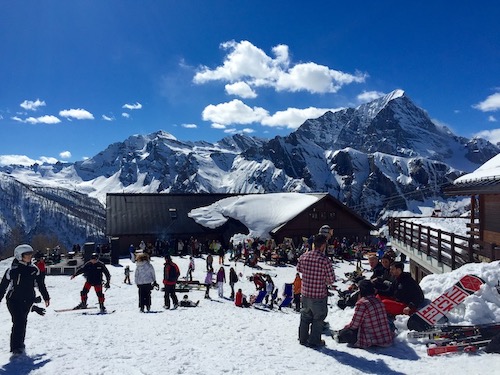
(22, 249)
(366, 288)
(94, 256)
(325, 230)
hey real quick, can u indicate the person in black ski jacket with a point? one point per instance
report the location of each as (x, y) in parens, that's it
(93, 271)
(19, 284)
(405, 295)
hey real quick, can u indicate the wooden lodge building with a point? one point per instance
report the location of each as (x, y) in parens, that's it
(436, 251)
(132, 218)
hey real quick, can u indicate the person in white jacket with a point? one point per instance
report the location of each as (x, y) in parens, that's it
(145, 279)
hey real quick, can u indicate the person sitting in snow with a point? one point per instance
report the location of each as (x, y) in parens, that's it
(404, 295)
(369, 325)
(186, 302)
(240, 299)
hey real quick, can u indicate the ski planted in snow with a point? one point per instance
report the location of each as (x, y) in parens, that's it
(429, 315)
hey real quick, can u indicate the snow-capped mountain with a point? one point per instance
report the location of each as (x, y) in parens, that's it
(383, 155)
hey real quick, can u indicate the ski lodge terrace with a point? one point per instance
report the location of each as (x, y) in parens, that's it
(433, 250)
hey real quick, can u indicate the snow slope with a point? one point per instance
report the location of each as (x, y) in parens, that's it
(218, 338)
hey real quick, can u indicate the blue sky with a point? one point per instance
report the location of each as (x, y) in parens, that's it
(76, 76)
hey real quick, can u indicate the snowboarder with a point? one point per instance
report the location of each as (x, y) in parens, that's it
(19, 283)
(93, 271)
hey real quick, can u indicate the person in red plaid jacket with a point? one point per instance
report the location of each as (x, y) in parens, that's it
(317, 274)
(369, 325)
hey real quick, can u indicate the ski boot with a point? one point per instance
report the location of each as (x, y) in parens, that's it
(102, 308)
(80, 306)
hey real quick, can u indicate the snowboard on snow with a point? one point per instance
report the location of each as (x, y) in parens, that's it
(430, 315)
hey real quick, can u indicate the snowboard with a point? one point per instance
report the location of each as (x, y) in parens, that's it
(429, 315)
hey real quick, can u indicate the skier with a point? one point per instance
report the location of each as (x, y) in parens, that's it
(19, 283)
(93, 271)
(170, 276)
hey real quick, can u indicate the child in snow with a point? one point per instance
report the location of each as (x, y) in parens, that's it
(188, 303)
(127, 275)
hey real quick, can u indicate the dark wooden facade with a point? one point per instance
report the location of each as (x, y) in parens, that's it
(327, 210)
(131, 218)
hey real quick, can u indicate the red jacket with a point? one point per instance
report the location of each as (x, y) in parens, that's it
(170, 274)
(238, 299)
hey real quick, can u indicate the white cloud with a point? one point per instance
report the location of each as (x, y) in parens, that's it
(108, 118)
(248, 130)
(132, 106)
(30, 105)
(492, 119)
(240, 89)
(490, 104)
(249, 64)
(190, 126)
(65, 154)
(218, 126)
(78, 114)
(24, 160)
(233, 112)
(231, 131)
(368, 96)
(126, 115)
(490, 135)
(292, 118)
(236, 112)
(47, 119)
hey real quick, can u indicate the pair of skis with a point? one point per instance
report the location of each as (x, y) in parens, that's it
(454, 339)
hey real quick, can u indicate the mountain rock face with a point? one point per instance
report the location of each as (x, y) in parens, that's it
(70, 216)
(381, 156)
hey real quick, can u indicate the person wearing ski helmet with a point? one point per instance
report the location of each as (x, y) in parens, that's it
(19, 283)
(93, 270)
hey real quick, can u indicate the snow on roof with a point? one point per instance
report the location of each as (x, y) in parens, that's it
(489, 170)
(260, 213)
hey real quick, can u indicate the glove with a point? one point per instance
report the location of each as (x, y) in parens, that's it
(107, 286)
(38, 299)
(38, 310)
(156, 286)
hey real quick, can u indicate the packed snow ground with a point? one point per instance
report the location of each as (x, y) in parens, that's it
(216, 337)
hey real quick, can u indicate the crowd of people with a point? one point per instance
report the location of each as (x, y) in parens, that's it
(388, 292)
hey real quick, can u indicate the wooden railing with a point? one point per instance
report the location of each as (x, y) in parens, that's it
(449, 248)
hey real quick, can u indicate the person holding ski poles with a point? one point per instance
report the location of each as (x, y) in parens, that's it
(19, 283)
(93, 271)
